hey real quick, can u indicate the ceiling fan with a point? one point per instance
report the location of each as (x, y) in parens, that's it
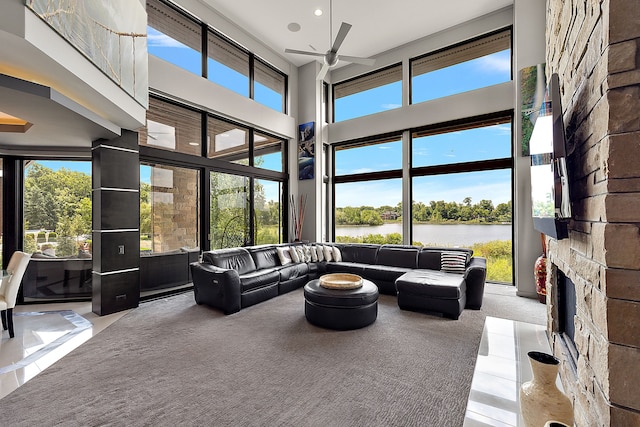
(331, 57)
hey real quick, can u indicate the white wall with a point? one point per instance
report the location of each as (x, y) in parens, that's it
(529, 49)
(31, 50)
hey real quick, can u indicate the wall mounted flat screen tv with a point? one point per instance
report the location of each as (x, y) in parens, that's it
(551, 203)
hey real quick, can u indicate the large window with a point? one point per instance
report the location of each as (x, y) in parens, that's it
(461, 190)
(174, 37)
(171, 127)
(368, 191)
(227, 65)
(373, 93)
(227, 141)
(369, 211)
(229, 206)
(269, 86)
(169, 207)
(369, 156)
(267, 202)
(471, 65)
(57, 229)
(267, 152)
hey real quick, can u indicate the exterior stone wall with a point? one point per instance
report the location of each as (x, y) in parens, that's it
(174, 206)
(594, 46)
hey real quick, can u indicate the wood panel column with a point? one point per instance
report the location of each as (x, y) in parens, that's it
(116, 219)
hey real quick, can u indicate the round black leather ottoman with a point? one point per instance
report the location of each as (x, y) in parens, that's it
(341, 309)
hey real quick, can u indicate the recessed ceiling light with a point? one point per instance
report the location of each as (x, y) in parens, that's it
(317, 12)
(294, 27)
(194, 144)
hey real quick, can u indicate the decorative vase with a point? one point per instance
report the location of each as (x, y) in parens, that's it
(540, 400)
(540, 273)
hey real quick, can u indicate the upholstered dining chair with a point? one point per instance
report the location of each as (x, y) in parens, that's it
(10, 286)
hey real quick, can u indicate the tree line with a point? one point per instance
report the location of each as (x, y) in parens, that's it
(483, 212)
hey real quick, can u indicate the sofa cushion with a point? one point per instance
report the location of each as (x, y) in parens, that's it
(292, 271)
(384, 273)
(258, 279)
(454, 262)
(397, 256)
(361, 253)
(264, 256)
(313, 253)
(284, 255)
(328, 253)
(238, 259)
(430, 257)
(345, 267)
(337, 255)
(434, 284)
(295, 255)
(319, 252)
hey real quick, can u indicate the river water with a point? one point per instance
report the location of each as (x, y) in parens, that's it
(436, 234)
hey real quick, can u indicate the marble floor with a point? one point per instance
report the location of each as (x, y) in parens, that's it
(501, 368)
(44, 333)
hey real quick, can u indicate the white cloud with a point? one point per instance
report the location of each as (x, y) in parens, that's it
(390, 106)
(157, 39)
(499, 63)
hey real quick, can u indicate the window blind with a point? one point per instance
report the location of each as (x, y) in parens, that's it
(462, 53)
(224, 52)
(268, 77)
(174, 24)
(185, 122)
(369, 81)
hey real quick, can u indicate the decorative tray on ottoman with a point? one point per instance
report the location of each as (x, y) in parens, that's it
(341, 281)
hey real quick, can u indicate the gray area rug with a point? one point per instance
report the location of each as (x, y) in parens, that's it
(172, 362)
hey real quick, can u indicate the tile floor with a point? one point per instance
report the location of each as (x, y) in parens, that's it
(45, 333)
(501, 368)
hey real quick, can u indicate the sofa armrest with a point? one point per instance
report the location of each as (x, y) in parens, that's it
(475, 276)
(215, 286)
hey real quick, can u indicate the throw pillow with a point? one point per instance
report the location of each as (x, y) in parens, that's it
(320, 252)
(302, 254)
(328, 253)
(284, 255)
(293, 251)
(313, 255)
(453, 262)
(337, 255)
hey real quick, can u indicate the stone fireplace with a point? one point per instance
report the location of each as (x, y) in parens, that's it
(594, 46)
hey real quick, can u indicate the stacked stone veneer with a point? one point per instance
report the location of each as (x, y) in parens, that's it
(174, 214)
(594, 46)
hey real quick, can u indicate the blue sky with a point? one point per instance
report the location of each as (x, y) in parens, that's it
(455, 147)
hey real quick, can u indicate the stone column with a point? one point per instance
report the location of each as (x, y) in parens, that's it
(595, 48)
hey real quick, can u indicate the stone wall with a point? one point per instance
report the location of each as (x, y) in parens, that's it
(594, 46)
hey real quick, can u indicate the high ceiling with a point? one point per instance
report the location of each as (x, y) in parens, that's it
(378, 25)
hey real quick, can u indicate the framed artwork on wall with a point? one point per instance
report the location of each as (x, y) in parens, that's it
(306, 150)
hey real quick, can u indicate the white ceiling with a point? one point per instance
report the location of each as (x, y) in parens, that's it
(378, 25)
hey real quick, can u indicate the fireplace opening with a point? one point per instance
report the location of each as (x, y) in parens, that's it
(567, 312)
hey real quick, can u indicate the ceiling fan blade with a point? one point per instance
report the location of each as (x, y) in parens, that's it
(342, 33)
(323, 72)
(304, 52)
(358, 60)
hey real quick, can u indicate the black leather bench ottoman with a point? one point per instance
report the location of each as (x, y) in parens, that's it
(434, 291)
(341, 309)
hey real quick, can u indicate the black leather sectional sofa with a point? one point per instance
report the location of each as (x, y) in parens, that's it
(232, 279)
